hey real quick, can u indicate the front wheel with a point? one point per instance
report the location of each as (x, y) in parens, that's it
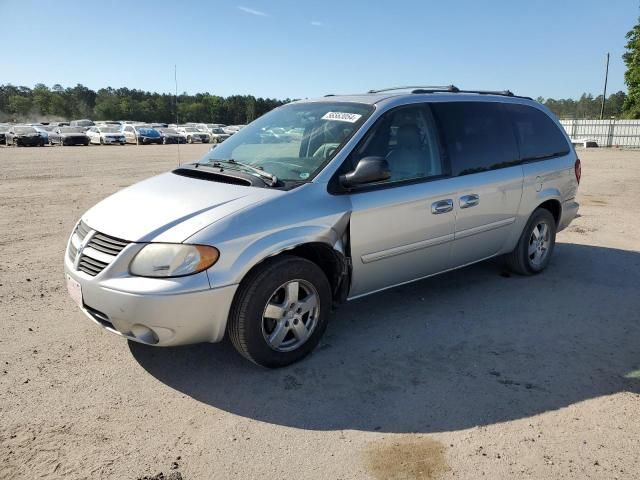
(280, 311)
(534, 249)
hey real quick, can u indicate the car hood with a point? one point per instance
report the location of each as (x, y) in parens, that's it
(170, 208)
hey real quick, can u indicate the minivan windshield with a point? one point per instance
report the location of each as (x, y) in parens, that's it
(295, 141)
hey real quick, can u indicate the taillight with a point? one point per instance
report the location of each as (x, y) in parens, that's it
(578, 168)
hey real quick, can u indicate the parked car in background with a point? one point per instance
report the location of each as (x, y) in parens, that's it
(24, 136)
(171, 135)
(141, 134)
(106, 135)
(232, 129)
(4, 128)
(44, 130)
(194, 135)
(85, 123)
(68, 136)
(217, 135)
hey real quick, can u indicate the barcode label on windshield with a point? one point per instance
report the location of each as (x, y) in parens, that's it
(342, 117)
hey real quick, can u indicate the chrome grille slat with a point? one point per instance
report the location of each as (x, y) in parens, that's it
(104, 247)
(93, 262)
(116, 242)
(83, 267)
(82, 230)
(72, 251)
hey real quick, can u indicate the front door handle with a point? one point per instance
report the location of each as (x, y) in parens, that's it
(469, 201)
(442, 206)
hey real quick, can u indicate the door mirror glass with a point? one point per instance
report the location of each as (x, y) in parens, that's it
(368, 170)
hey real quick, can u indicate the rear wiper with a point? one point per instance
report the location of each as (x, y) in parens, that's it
(272, 179)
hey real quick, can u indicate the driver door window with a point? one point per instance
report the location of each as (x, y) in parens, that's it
(407, 138)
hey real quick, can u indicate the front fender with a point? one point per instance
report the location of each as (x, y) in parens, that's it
(262, 247)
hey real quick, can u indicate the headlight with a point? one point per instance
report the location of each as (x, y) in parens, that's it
(172, 260)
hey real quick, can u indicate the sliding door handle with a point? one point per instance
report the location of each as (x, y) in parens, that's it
(469, 201)
(442, 206)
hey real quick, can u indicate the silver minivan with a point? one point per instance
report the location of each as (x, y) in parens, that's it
(318, 202)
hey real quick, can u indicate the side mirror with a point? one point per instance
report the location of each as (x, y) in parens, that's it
(368, 170)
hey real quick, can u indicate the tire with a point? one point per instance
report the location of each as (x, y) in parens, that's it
(15, 142)
(164, 140)
(101, 141)
(520, 260)
(249, 329)
(189, 140)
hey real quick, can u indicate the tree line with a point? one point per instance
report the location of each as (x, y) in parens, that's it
(41, 103)
(587, 106)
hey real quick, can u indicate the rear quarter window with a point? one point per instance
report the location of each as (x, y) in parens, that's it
(478, 136)
(538, 136)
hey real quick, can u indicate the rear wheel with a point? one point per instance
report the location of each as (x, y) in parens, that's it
(280, 311)
(535, 247)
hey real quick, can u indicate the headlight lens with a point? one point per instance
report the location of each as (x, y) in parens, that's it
(172, 260)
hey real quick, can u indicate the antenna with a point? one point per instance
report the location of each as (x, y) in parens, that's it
(175, 79)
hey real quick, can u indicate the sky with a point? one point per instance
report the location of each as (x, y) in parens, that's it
(308, 48)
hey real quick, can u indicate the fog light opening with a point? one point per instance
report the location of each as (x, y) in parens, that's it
(144, 334)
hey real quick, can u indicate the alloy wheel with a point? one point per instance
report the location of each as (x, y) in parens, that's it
(539, 243)
(291, 315)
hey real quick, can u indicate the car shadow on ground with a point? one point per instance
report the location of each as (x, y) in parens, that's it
(471, 347)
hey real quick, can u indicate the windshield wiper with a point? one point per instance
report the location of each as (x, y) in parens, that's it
(272, 179)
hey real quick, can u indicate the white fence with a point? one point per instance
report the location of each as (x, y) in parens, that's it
(607, 133)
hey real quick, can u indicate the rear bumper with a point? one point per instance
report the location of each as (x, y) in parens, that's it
(30, 141)
(569, 212)
(187, 312)
(74, 141)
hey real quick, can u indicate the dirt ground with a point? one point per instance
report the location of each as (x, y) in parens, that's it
(468, 375)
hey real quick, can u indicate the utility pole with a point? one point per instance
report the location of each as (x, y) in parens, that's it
(604, 95)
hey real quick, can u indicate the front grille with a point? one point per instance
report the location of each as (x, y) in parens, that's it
(100, 245)
(91, 266)
(107, 244)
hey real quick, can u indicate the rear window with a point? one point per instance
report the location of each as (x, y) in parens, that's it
(538, 136)
(477, 136)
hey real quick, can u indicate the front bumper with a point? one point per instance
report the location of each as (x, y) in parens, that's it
(173, 140)
(160, 312)
(109, 140)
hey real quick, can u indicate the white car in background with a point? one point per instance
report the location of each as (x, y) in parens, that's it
(231, 129)
(194, 135)
(218, 135)
(106, 135)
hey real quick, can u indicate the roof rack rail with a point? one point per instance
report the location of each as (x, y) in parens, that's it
(438, 88)
(504, 93)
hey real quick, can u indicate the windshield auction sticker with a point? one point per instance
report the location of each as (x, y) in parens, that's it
(342, 117)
